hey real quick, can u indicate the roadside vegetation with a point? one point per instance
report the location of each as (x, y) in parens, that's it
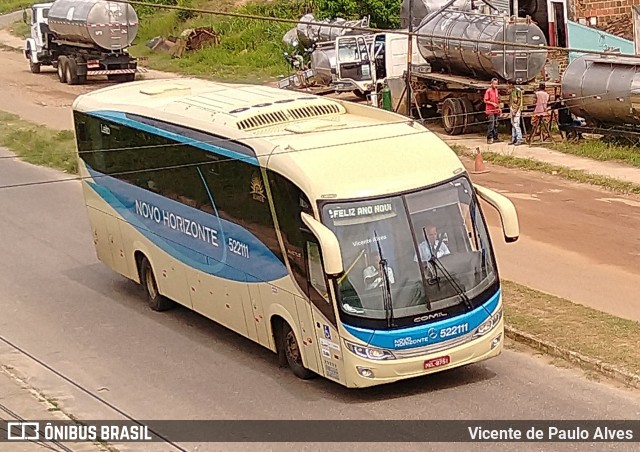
(7, 6)
(249, 50)
(38, 145)
(601, 150)
(574, 327)
(20, 29)
(509, 161)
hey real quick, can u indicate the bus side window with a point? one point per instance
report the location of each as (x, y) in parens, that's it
(315, 271)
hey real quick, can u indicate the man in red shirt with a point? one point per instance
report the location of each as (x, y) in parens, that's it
(492, 110)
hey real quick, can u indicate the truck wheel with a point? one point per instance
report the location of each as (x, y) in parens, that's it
(62, 69)
(72, 72)
(34, 67)
(452, 116)
(156, 301)
(362, 94)
(469, 115)
(293, 353)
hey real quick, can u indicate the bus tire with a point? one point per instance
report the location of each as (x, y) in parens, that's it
(293, 353)
(156, 301)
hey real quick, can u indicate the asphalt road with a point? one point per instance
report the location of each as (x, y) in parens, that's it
(569, 246)
(63, 306)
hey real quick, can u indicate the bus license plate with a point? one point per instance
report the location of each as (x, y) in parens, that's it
(437, 362)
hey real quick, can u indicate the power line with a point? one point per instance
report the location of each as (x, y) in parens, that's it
(370, 30)
(357, 127)
(86, 391)
(208, 162)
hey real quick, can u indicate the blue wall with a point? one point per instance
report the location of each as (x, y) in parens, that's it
(587, 38)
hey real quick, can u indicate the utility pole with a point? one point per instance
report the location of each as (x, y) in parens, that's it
(409, 58)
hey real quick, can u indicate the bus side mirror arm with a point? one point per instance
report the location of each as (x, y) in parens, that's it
(505, 208)
(329, 245)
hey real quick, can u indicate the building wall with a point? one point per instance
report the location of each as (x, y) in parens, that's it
(587, 38)
(612, 16)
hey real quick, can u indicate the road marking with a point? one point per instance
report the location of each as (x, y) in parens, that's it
(524, 196)
(620, 200)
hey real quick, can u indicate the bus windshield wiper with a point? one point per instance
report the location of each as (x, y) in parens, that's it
(436, 263)
(386, 289)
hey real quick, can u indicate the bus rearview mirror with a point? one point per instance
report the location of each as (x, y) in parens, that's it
(505, 208)
(331, 254)
(25, 18)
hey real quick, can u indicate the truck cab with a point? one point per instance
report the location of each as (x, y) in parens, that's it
(364, 62)
(36, 43)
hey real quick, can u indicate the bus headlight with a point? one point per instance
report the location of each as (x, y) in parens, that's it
(377, 354)
(489, 324)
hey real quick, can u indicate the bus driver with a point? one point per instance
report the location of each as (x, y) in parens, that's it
(435, 243)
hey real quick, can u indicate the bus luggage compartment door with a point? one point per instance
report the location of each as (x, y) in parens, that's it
(100, 236)
(309, 345)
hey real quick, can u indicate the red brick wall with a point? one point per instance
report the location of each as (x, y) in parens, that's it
(614, 16)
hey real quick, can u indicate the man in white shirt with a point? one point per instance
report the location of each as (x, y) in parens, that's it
(438, 246)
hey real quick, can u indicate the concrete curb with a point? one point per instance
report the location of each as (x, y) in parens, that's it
(585, 362)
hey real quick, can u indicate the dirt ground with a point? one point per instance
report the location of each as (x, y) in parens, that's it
(41, 98)
(578, 242)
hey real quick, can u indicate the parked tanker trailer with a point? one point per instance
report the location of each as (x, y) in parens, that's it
(81, 38)
(605, 91)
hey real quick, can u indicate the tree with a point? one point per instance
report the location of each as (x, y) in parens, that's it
(383, 13)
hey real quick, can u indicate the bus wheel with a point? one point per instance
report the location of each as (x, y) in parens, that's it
(156, 301)
(293, 353)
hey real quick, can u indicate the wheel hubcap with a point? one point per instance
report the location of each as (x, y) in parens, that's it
(151, 285)
(448, 120)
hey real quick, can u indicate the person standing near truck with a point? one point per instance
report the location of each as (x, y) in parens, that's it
(516, 104)
(492, 110)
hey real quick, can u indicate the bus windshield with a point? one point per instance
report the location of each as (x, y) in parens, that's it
(435, 247)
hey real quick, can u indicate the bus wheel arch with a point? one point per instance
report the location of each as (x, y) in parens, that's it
(156, 301)
(288, 348)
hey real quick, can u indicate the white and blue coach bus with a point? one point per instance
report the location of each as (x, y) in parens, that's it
(347, 239)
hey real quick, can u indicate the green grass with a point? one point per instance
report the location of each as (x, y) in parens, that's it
(7, 6)
(20, 29)
(38, 145)
(250, 50)
(601, 150)
(578, 328)
(509, 161)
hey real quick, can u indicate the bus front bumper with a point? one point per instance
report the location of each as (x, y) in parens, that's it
(362, 373)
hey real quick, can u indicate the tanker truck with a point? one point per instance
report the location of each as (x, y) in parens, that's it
(455, 54)
(81, 38)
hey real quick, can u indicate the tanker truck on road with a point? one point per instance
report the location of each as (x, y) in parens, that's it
(81, 38)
